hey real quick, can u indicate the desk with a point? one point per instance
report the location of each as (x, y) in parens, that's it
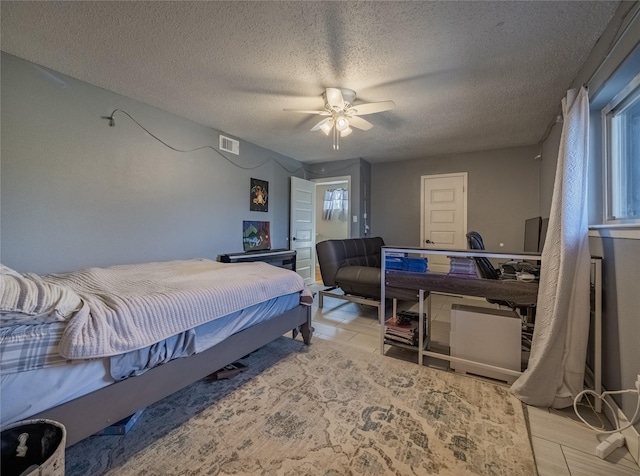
(406, 284)
(500, 289)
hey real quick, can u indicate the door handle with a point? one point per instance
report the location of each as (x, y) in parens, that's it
(294, 238)
(429, 242)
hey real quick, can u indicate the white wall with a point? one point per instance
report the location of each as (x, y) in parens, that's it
(335, 229)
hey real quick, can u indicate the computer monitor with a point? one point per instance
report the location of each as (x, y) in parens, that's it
(543, 233)
(532, 234)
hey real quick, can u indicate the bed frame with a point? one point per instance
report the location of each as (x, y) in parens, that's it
(90, 413)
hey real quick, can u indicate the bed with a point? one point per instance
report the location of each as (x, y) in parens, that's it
(91, 347)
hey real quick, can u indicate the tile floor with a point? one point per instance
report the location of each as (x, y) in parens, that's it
(562, 445)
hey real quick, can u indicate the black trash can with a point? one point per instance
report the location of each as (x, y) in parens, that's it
(33, 448)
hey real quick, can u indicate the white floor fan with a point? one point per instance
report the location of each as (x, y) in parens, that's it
(342, 114)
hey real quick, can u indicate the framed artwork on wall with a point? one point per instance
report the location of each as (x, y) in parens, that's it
(255, 235)
(259, 196)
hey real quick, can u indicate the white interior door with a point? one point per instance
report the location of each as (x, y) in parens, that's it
(302, 226)
(443, 221)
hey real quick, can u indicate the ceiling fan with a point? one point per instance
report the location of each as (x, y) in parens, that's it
(343, 114)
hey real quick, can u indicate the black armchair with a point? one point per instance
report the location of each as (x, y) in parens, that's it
(352, 265)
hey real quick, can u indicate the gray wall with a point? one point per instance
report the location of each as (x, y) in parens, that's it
(548, 162)
(621, 256)
(76, 192)
(621, 316)
(503, 192)
(358, 171)
(620, 276)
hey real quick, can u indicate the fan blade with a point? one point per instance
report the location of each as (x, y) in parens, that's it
(319, 125)
(334, 98)
(371, 107)
(304, 111)
(360, 123)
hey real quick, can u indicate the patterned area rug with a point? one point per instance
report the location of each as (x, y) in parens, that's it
(321, 410)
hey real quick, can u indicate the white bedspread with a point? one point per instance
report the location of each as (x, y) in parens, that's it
(133, 306)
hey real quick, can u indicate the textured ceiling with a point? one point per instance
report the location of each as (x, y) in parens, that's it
(465, 76)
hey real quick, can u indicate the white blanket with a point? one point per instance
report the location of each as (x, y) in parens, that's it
(133, 306)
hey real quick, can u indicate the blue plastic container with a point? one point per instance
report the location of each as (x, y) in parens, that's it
(406, 263)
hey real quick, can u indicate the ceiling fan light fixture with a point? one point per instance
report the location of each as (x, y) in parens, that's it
(343, 113)
(342, 123)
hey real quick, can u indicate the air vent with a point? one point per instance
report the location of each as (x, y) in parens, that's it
(229, 145)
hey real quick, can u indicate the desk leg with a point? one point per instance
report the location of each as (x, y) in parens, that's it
(421, 335)
(382, 319)
(598, 333)
(429, 315)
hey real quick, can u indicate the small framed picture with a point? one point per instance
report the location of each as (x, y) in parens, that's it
(256, 235)
(259, 196)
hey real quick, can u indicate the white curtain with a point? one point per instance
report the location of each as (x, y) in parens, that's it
(336, 204)
(555, 373)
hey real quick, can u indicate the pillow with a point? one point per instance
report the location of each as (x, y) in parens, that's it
(28, 299)
(6, 270)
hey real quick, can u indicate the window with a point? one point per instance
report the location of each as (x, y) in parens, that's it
(336, 204)
(621, 120)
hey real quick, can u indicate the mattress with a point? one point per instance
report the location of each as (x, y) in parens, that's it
(26, 393)
(130, 307)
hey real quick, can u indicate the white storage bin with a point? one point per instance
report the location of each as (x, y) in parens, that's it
(490, 336)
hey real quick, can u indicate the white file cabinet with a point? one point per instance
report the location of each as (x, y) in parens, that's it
(490, 336)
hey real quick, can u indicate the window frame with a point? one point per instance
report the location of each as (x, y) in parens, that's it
(629, 95)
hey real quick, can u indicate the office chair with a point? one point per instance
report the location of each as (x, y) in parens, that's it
(487, 271)
(484, 265)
